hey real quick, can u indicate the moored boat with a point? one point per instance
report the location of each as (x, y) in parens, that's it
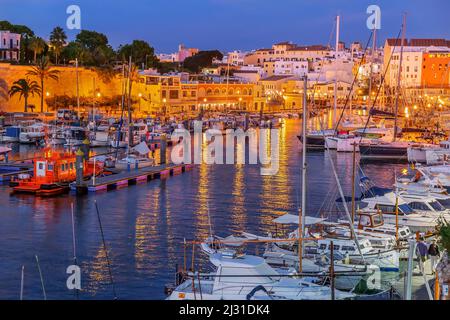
(51, 175)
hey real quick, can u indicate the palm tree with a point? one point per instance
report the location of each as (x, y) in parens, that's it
(24, 88)
(37, 45)
(42, 71)
(58, 39)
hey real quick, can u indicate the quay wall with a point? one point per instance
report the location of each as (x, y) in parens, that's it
(66, 85)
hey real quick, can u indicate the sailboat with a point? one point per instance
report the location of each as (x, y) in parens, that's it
(395, 150)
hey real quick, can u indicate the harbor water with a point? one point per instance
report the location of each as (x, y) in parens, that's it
(145, 225)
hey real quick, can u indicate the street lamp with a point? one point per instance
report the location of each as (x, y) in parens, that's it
(164, 107)
(140, 98)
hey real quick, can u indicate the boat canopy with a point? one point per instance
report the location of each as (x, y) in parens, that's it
(293, 219)
(142, 148)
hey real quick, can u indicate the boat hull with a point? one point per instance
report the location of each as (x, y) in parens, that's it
(383, 152)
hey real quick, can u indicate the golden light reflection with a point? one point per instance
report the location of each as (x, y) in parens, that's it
(98, 274)
(146, 230)
(203, 196)
(276, 186)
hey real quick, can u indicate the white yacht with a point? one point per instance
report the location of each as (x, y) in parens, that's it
(100, 139)
(428, 153)
(385, 202)
(119, 140)
(75, 136)
(278, 257)
(11, 134)
(246, 277)
(425, 204)
(33, 133)
(132, 161)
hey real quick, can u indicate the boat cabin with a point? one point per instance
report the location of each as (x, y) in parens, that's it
(369, 219)
(54, 167)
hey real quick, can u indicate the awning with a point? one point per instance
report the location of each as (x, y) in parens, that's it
(142, 148)
(293, 219)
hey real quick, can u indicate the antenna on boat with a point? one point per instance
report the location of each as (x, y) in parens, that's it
(209, 221)
(302, 212)
(338, 20)
(40, 276)
(399, 77)
(78, 88)
(106, 250)
(122, 106)
(21, 282)
(341, 193)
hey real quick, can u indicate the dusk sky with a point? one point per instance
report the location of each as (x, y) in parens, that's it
(231, 24)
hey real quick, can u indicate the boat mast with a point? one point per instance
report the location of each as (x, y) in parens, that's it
(93, 104)
(338, 18)
(130, 133)
(302, 212)
(371, 66)
(397, 93)
(78, 89)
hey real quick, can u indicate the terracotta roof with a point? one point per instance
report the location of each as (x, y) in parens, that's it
(317, 47)
(283, 43)
(245, 71)
(276, 77)
(420, 42)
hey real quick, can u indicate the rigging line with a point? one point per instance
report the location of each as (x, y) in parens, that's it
(119, 131)
(21, 282)
(353, 82)
(40, 276)
(381, 83)
(341, 193)
(106, 251)
(331, 34)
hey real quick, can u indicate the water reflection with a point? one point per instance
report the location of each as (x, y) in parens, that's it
(145, 225)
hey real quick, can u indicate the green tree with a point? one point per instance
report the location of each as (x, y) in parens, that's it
(37, 45)
(91, 39)
(141, 53)
(92, 48)
(43, 70)
(58, 39)
(203, 59)
(24, 88)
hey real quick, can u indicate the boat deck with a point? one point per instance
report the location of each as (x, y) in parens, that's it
(10, 170)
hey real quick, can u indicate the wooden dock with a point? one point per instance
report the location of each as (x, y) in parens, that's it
(132, 177)
(10, 170)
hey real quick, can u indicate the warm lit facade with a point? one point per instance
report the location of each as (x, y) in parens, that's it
(413, 54)
(435, 70)
(177, 94)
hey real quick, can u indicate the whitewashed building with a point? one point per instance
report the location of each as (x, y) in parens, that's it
(236, 58)
(294, 67)
(9, 46)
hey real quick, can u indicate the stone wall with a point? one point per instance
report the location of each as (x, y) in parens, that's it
(66, 85)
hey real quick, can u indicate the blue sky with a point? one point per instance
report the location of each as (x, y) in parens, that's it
(231, 24)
